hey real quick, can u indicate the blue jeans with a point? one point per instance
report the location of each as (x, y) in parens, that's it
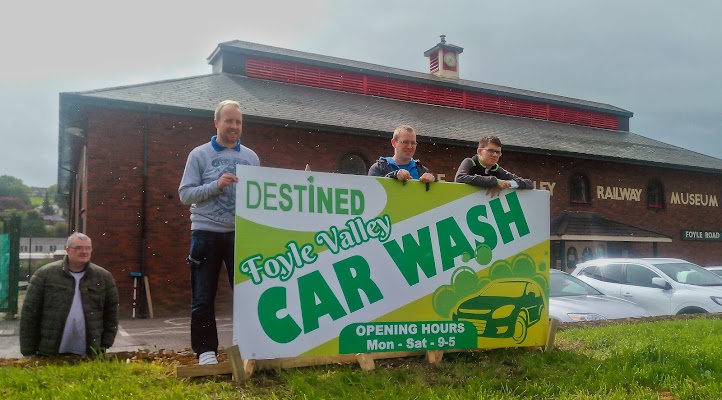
(208, 251)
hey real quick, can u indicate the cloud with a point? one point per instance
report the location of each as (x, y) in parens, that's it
(659, 61)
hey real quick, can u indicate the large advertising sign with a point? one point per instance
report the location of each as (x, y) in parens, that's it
(330, 264)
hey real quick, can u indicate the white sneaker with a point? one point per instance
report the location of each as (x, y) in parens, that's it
(207, 358)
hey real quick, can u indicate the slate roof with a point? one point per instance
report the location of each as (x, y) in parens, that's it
(261, 50)
(362, 114)
(590, 224)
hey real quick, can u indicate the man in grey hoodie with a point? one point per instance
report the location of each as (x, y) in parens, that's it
(483, 169)
(209, 187)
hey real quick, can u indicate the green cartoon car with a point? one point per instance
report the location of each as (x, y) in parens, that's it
(504, 309)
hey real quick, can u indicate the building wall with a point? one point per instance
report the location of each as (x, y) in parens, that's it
(115, 192)
(42, 244)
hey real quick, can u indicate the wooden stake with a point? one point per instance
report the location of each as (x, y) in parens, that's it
(237, 368)
(434, 356)
(553, 326)
(365, 361)
(190, 371)
(147, 296)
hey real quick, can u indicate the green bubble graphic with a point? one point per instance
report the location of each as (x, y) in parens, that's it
(465, 282)
(444, 301)
(524, 266)
(500, 270)
(483, 254)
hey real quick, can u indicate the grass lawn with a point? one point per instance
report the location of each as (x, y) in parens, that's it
(674, 359)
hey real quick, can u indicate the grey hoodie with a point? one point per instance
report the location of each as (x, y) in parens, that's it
(212, 209)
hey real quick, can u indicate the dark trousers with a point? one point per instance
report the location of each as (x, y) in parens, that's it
(208, 251)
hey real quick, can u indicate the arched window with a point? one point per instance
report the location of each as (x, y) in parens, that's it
(587, 254)
(353, 164)
(572, 258)
(579, 189)
(655, 195)
(601, 250)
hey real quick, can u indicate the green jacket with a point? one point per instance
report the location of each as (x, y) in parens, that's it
(47, 305)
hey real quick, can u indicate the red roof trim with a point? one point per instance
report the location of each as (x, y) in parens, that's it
(329, 78)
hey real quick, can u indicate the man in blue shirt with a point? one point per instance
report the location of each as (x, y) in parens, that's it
(402, 165)
(209, 187)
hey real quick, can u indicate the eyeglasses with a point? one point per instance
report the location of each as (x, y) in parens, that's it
(492, 151)
(407, 142)
(81, 248)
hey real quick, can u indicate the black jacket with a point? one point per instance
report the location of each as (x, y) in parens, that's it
(472, 172)
(383, 168)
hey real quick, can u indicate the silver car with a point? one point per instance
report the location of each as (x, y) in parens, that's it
(662, 286)
(571, 300)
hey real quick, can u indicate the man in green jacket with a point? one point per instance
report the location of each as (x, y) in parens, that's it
(71, 306)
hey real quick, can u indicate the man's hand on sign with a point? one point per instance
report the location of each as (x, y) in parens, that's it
(493, 192)
(500, 185)
(226, 180)
(427, 178)
(403, 175)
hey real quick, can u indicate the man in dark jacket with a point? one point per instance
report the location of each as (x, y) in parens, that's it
(484, 171)
(402, 165)
(71, 306)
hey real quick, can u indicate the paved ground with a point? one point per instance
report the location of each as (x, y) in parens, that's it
(133, 334)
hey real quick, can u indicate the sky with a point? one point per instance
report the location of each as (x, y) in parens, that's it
(660, 60)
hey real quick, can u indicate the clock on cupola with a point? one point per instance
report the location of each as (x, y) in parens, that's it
(444, 59)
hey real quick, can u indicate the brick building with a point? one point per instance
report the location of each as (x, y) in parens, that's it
(613, 192)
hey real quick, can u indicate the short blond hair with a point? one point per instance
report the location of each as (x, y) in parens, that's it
(402, 128)
(224, 103)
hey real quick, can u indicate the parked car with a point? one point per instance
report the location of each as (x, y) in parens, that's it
(717, 269)
(572, 300)
(506, 308)
(662, 286)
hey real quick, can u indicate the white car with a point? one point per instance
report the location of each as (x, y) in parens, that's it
(662, 286)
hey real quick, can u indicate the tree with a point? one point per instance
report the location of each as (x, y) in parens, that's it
(12, 203)
(59, 230)
(32, 225)
(53, 191)
(60, 202)
(14, 187)
(47, 210)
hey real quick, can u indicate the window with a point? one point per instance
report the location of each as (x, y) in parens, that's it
(613, 273)
(589, 271)
(601, 250)
(53, 248)
(24, 249)
(587, 254)
(353, 164)
(579, 189)
(638, 275)
(655, 195)
(38, 248)
(572, 258)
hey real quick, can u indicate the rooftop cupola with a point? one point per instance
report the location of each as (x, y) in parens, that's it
(444, 59)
